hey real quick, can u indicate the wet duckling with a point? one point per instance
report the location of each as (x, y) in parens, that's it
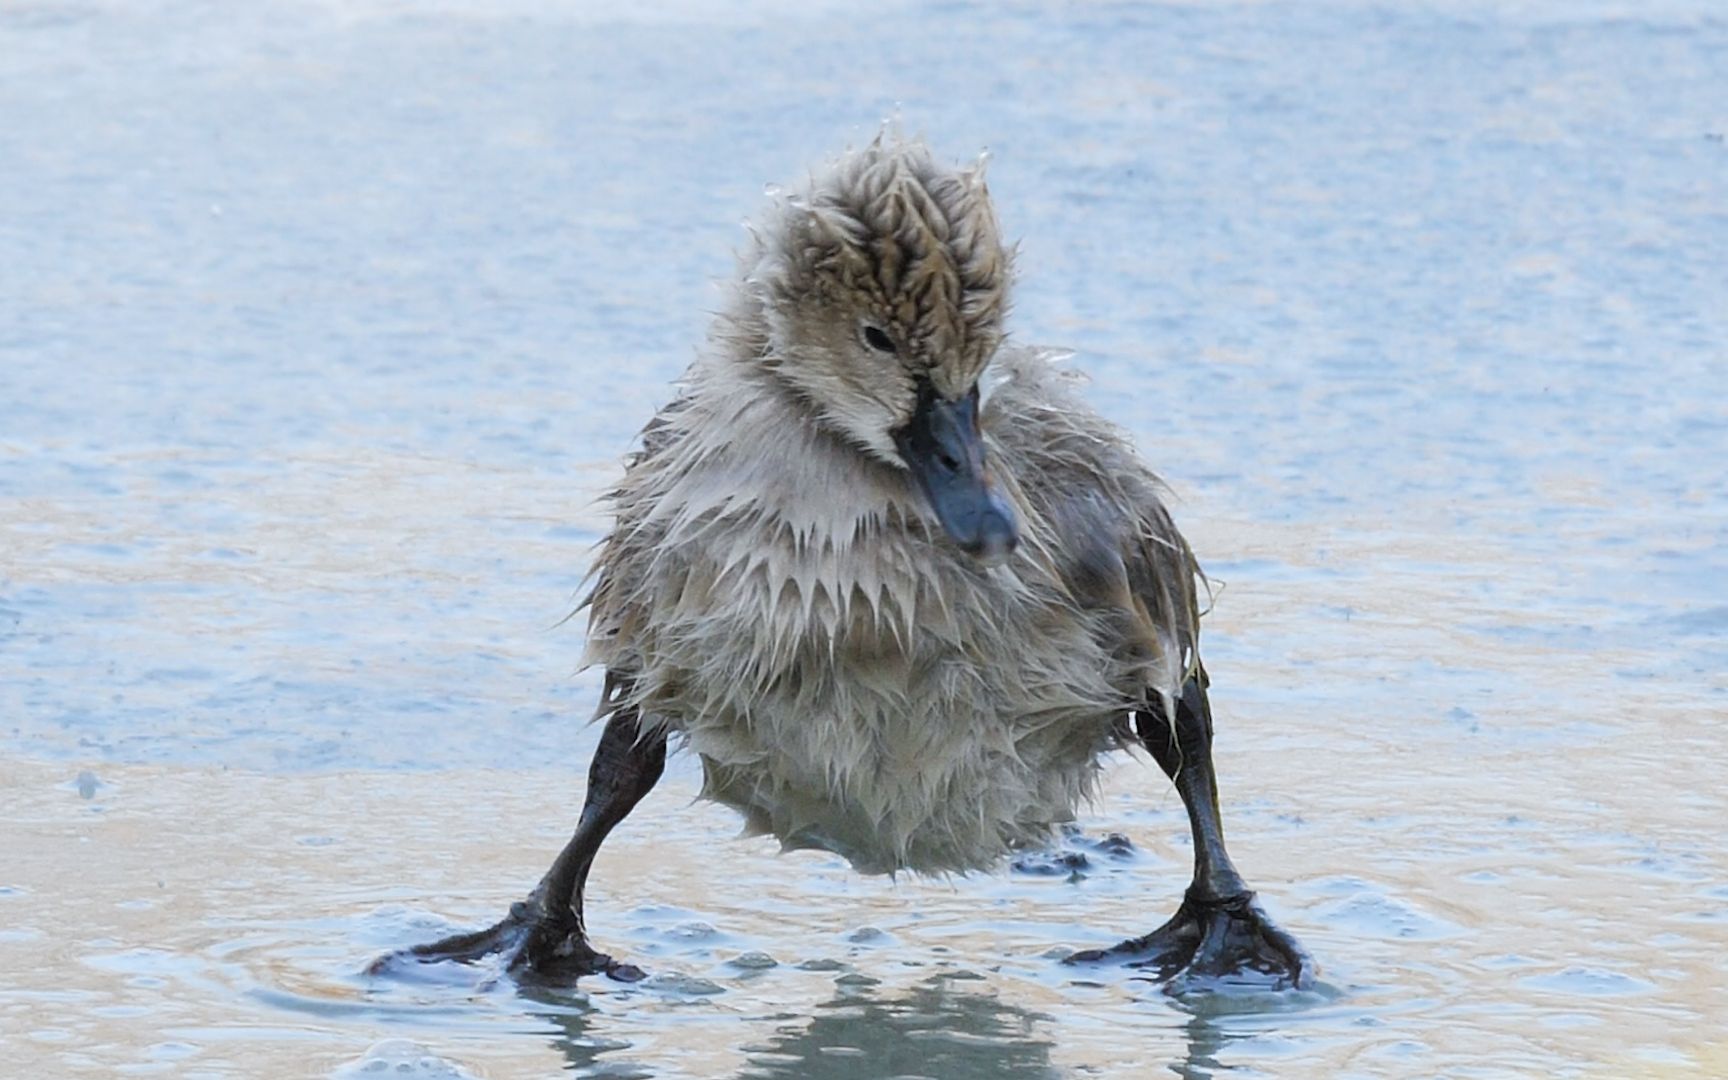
(896, 586)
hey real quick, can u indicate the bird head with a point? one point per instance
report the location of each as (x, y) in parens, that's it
(882, 289)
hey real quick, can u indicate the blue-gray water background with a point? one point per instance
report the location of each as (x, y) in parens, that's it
(322, 325)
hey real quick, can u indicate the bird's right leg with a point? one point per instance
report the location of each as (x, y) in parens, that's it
(544, 937)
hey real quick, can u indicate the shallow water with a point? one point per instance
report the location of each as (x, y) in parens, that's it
(321, 325)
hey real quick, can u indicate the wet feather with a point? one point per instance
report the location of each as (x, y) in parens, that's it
(776, 593)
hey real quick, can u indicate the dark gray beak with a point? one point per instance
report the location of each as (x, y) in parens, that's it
(944, 448)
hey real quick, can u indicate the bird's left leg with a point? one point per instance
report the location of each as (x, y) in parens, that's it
(1220, 932)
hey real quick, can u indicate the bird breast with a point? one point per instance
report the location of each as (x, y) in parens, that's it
(849, 680)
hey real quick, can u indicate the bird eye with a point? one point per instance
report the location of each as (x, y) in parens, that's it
(876, 339)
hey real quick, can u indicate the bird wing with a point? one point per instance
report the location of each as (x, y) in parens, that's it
(1097, 518)
(614, 600)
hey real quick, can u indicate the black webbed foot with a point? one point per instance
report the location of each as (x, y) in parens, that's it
(1220, 938)
(543, 939)
(535, 947)
(1215, 942)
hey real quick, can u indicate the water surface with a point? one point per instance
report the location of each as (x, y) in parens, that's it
(322, 325)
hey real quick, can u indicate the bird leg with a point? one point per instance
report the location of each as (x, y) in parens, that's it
(544, 937)
(1220, 932)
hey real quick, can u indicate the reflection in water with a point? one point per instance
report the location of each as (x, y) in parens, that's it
(1205, 1039)
(576, 1033)
(940, 1029)
(943, 1029)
